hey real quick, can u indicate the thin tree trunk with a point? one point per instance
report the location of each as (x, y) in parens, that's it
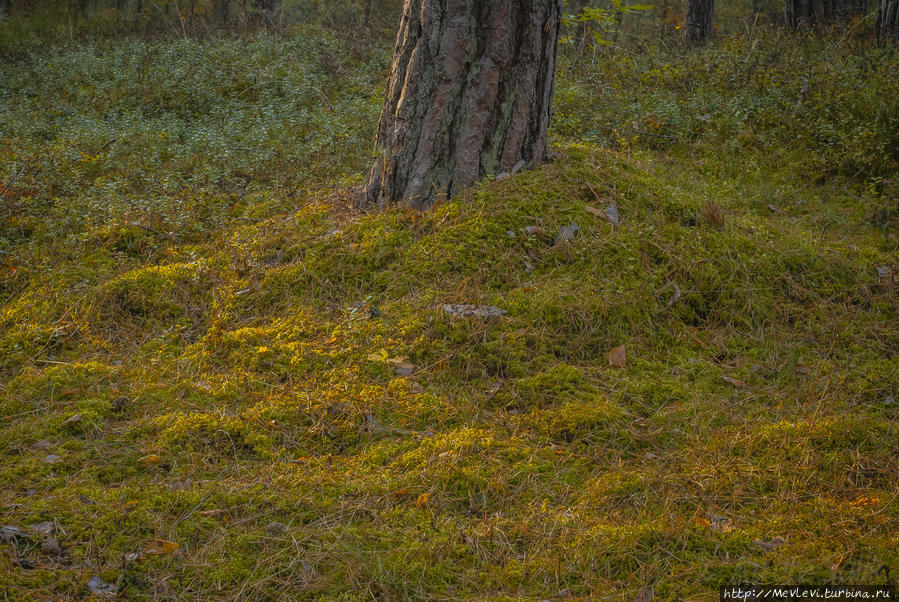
(810, 12)
(888, 21)
(468, 97)
(699, 20)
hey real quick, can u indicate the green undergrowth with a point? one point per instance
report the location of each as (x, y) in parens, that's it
(226, 356)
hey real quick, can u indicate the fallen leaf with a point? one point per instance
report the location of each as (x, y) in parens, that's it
(422, 500)
(161, 546)
(213, 512)
(401, 492)
(130, 505)
(617, 357)
(98, 586)
(865, 501)
(150, 460)
(734, 381)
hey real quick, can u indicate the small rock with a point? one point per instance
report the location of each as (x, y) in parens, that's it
(883, 271)
(612, 214)
(50, 547)
(518, 166)
(10, 533)
(30, 492)
(646, 595)
(567, 233)
(768, 546)
(888, 401)
(528, 268)
(404, 369)
(503, 176)
(43, 444)
(98, 586)
(86, 500)
(275, 528)
(52, 458)
(43, 527)
(479, 311)
(178, 485)
(773, 209)
(510, 233)
(534, 230)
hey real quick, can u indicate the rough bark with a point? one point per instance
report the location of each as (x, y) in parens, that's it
(810, 12)
(699, 20)
(468, 96)
(888, 21)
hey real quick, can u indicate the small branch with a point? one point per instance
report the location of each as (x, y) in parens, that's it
(105, 146)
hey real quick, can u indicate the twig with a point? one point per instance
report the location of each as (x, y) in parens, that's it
(186, 515)
(105, 146)
(803, 92)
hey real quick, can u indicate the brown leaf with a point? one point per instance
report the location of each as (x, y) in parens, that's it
(617, 357)
(422, 500)
(159, 547)
(401, 492)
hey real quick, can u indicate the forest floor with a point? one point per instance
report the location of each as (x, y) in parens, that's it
(218, 380)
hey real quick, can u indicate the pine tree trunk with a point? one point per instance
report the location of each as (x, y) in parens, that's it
(699, 20)
(468, 96)
(811, 12)
(888, 21)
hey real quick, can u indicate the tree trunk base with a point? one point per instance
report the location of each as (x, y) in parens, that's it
(468, 97)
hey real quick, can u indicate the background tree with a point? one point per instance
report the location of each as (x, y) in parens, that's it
(468, 96)
(699, 20)
(888, 20)
(808, 12)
